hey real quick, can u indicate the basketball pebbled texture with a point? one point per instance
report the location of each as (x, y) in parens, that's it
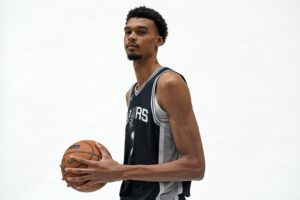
(85, 149)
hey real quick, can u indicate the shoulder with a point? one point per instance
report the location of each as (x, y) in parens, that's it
(169, 80)
(171, 90)
(127, 96)
(128, 93)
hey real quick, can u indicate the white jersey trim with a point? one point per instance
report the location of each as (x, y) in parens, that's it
(158, 113)
(136, 92)
(167, 149)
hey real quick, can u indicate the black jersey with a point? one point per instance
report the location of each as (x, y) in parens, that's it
(148, 140)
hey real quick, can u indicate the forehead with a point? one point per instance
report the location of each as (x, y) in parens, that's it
(140, 22)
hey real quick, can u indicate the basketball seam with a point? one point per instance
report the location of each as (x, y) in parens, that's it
(83, 152)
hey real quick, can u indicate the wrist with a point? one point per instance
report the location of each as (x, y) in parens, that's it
(126, 171)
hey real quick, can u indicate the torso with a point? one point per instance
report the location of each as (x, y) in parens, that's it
(148, 140)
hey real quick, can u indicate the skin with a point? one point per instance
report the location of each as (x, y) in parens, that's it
(142, 38)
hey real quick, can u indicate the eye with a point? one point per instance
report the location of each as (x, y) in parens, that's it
(141, 32)
(127, 32)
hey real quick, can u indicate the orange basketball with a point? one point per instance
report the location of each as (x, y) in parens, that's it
(85, 149)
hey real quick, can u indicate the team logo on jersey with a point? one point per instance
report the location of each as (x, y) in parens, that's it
(137, 113)
(131, 116)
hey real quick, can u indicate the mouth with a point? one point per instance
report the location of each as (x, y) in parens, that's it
(132, 46)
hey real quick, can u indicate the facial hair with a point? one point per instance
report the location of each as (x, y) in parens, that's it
(134, 57)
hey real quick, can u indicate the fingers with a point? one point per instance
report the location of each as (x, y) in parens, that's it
(80, 170)
(83, 161)
(79, 179)
(88, 184)
(68, 185)
(103, 151)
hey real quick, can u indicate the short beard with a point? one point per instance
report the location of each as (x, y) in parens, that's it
(134, 57)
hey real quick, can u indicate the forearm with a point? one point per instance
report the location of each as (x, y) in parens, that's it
(182, 169)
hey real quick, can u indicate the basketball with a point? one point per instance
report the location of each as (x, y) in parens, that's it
(86, 149)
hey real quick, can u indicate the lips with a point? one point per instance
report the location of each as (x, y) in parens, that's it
(132, 45)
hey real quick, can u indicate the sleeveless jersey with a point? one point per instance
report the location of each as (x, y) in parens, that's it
(148, 140)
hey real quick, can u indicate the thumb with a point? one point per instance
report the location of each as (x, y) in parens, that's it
(104, 152)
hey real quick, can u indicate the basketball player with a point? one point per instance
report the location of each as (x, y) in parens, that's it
(163, 149)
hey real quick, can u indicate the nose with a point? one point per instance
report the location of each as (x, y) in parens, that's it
(132, 36)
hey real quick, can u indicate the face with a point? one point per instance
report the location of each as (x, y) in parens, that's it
(141, 38)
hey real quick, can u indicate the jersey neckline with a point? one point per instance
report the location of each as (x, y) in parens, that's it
(136, 92)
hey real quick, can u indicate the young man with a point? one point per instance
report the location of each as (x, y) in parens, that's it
(163, 149)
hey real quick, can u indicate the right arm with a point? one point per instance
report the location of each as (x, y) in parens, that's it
(127, 96)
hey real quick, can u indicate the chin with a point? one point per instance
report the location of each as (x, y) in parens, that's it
(134, 56)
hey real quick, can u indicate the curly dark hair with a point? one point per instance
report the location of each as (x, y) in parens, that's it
(149, 13)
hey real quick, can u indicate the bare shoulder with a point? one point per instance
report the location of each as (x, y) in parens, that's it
(172, 91)
(127, 96)
(170, 79)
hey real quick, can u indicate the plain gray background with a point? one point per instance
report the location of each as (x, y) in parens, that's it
(64, 74)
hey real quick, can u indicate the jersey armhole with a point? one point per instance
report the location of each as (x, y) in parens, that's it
(159, 114)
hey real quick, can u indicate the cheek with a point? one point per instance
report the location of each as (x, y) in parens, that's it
(150, 44)
(124, 40)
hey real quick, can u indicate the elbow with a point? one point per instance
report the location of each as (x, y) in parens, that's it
(199, 170)
(200, 175)
(195, 168)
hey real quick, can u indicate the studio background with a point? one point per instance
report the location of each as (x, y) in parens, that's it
(64, 75)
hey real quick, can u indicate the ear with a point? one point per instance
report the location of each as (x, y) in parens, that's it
(159, 41)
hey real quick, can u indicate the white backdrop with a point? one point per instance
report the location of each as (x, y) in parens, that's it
(64, 75)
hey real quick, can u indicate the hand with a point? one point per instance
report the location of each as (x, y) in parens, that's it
(103, 171)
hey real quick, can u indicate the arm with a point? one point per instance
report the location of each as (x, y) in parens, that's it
(127, 97)
(174, 97)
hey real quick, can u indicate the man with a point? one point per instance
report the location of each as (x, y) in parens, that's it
(163, 148)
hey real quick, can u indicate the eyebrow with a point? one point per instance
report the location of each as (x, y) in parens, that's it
(138, 27)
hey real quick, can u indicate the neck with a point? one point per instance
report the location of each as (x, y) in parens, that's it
(144, 69)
